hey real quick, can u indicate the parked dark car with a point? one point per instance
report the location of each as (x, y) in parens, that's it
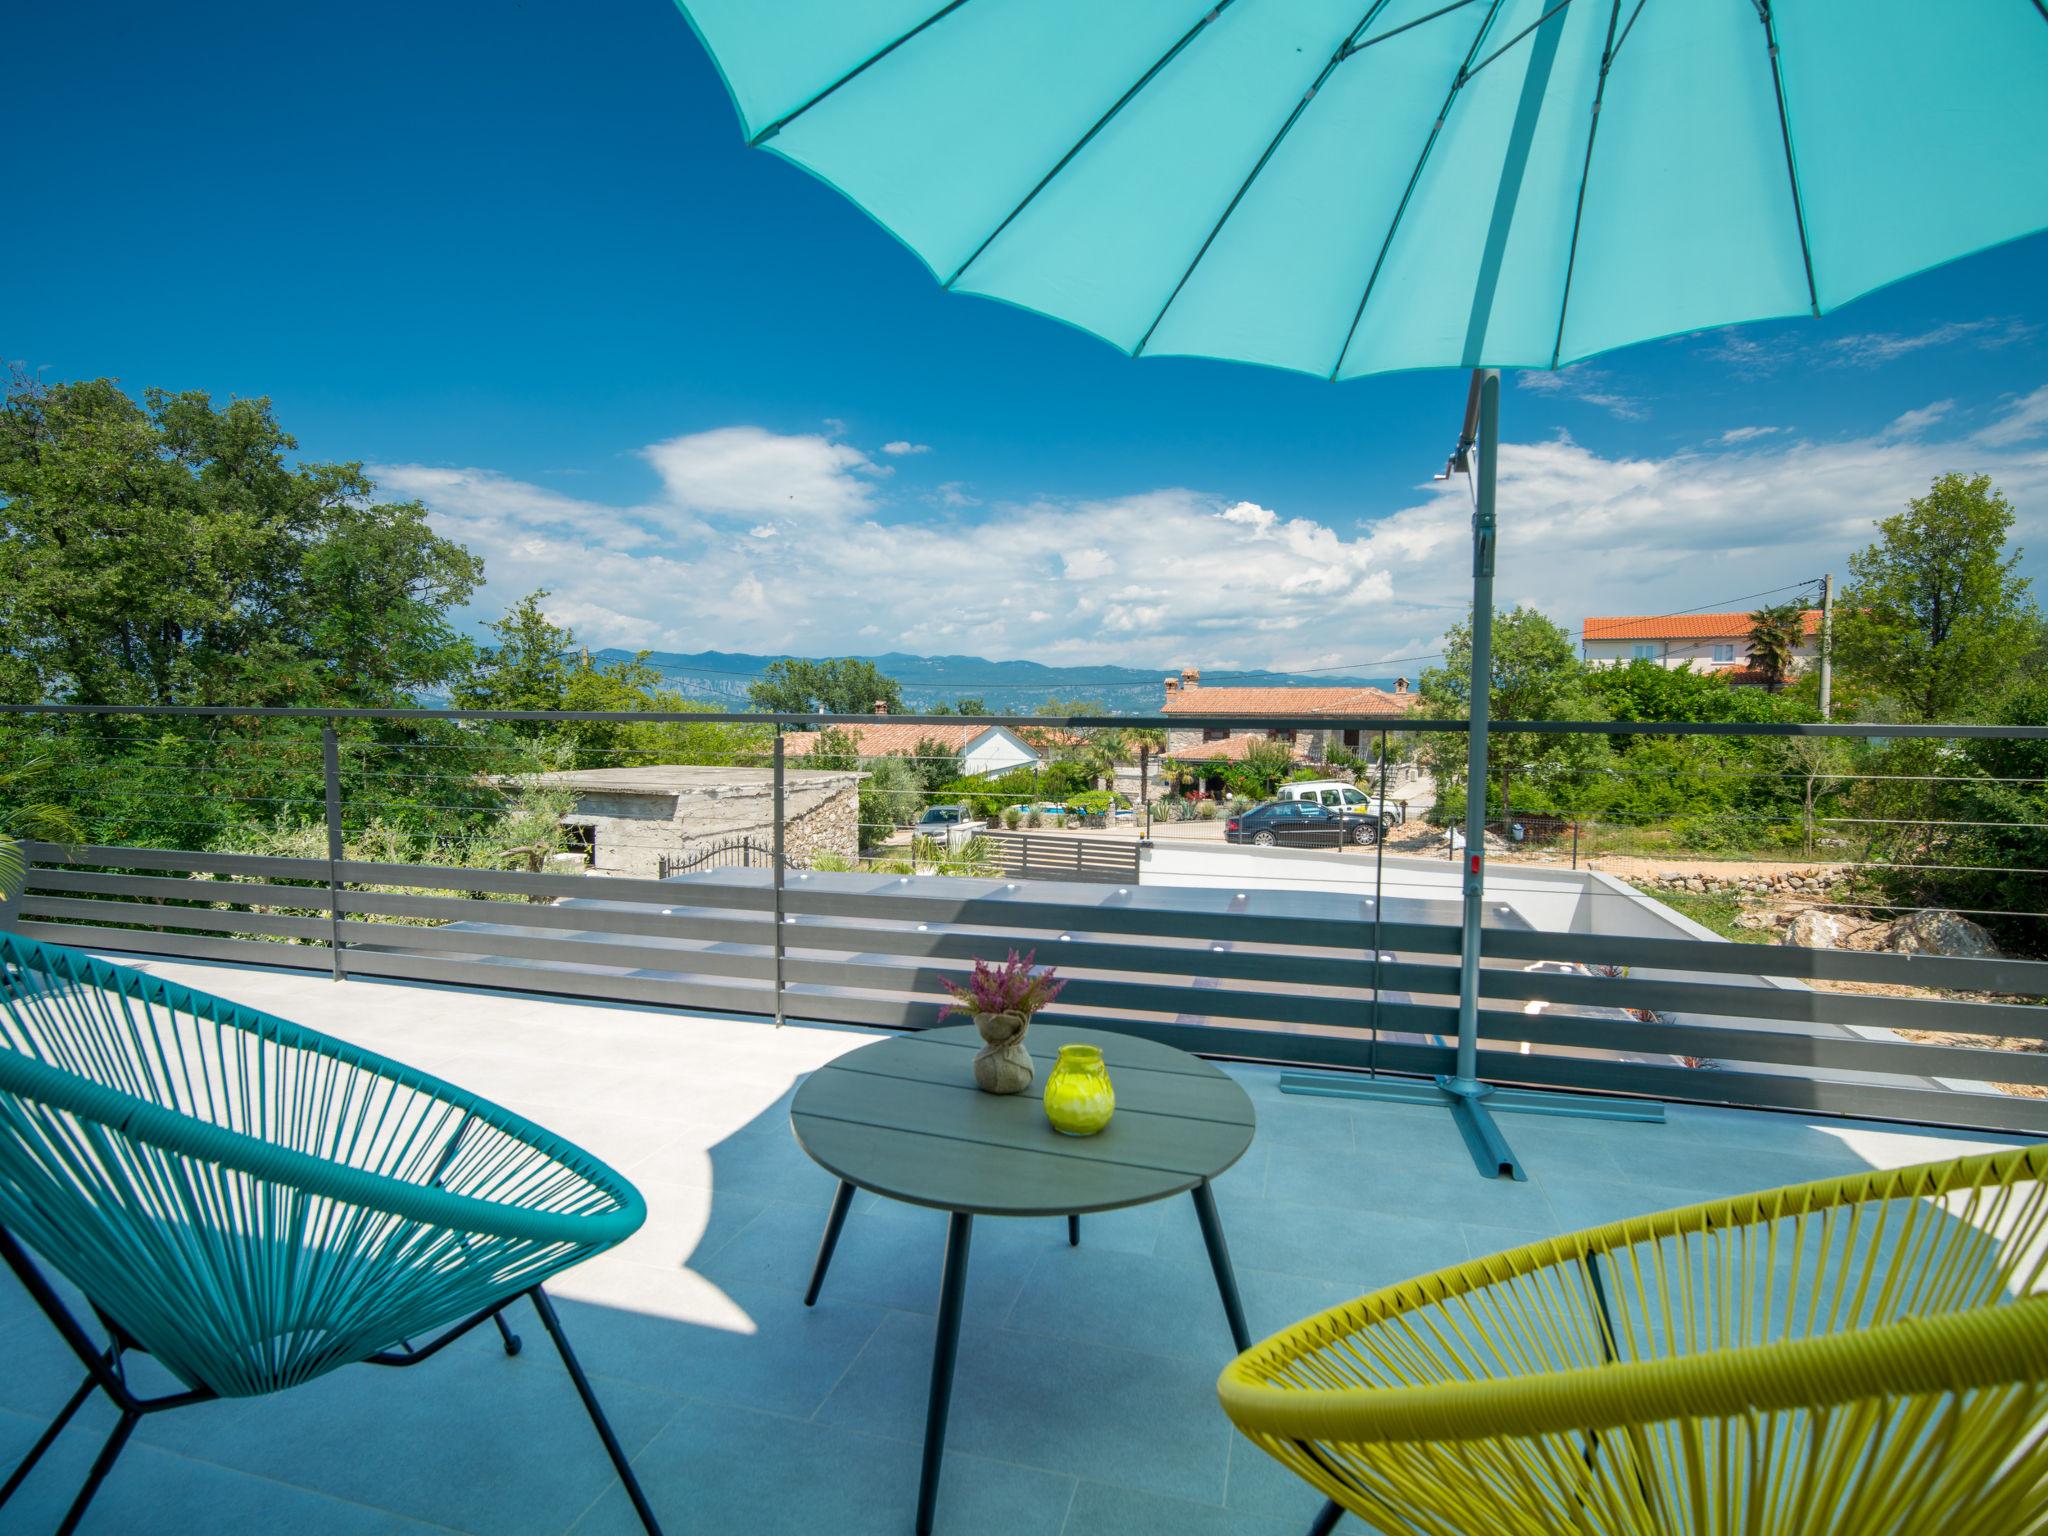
(1300, 823)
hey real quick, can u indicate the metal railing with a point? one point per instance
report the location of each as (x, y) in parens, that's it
(1277, 959)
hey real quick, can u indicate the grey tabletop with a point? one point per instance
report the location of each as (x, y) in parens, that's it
(902, 1117)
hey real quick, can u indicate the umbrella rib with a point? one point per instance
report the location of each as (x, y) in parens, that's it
(1337, 57)
(1763, 11)
(862, 67)
(1443, 10)
(1101, 123)
(1504, 47)
(1408, 193)
(1571, 260)
(1632, 15)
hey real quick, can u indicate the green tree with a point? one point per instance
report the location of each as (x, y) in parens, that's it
(528, 667)
(1776, 632)
(1137, 744)
(1259, 772)
(1537, 675)
(174, 552)
(1935, 613)
(934, 762)
(1643, 690)
(844, 685)
(536, 664)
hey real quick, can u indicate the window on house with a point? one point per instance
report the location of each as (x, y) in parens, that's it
(1724, 652)
(1643, 653)
(1214, 733)
(1351, 740)
(1286, 736)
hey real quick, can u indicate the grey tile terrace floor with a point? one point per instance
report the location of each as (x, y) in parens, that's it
(1085, 1399)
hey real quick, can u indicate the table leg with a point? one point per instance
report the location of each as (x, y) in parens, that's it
(1073, 1231)
(829, 1241)
(945, 1349)
(1219, 1260)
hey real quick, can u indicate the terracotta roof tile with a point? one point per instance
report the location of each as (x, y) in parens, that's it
(1193, 700)
(1684, 626)
(887, 738)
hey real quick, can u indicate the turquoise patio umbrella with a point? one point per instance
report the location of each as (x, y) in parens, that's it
(1349, 187)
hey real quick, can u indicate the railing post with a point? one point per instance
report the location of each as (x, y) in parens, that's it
(330, 768)
(775, 871)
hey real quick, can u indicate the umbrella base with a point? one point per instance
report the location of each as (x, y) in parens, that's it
(1471, 1105)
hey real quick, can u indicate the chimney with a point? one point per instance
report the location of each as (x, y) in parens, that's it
(881, 706)
(1400, 685)
(1172, 685)
(1189, 676)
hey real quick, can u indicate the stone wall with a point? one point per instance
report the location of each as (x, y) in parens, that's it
(1790, 882)
(632, 830)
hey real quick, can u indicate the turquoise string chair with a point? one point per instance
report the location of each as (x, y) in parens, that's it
(254, 1203)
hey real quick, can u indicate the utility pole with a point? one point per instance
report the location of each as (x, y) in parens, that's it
(1827, 646)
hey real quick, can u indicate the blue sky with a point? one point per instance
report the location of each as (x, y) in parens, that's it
(517, 257)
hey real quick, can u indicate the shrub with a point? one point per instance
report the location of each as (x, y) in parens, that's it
(1012, 817)
(1035, 819)
(1096, 802)
(1205, 810)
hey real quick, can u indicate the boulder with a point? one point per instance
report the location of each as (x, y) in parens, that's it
(1938, 931)
(1814, 929)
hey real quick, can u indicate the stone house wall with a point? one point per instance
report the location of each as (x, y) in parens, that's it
(632, 829)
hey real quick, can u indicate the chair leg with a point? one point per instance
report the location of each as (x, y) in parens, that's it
(512, 1344)
(1326, 1518)
(27, 1463)
(553, 1324)
(1073, 1231)
(101, 1466)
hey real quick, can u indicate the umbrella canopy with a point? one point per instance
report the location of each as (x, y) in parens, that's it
(1348, 187)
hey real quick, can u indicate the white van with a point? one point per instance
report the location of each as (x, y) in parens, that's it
(1340, 796)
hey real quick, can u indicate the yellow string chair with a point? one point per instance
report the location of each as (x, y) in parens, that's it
(1857, 1355)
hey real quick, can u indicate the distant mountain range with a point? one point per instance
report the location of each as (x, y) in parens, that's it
(1008, 687)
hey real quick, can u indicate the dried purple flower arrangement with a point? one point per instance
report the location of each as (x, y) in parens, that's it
(1012, 987)
(1002, 999)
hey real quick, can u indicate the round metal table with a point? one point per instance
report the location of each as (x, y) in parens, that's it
(902, 1117)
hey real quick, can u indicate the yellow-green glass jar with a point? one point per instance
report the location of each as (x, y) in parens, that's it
(1078, 1097)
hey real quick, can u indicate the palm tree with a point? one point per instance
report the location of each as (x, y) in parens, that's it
(36, 819)
(1139, 743)
(1775, 633)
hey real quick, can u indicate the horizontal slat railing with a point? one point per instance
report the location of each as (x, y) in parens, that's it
(1237, 981)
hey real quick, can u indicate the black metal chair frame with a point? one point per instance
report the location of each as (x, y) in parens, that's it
(103, 1367)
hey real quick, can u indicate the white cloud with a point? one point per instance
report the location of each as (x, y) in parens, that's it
(953, 493)
(1736, 435)
(1750, 358)
(1175, 576)
(2024, 420)
(1589, 386)
(900, 447)
(1913, 423)
(1872, 348)
(752, 472)
(1582, 534)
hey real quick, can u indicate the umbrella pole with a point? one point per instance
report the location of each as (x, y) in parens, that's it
(1462, 1092)
(1466, 1093)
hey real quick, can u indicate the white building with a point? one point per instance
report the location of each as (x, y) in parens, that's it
(983, 749)
(1694, 642)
